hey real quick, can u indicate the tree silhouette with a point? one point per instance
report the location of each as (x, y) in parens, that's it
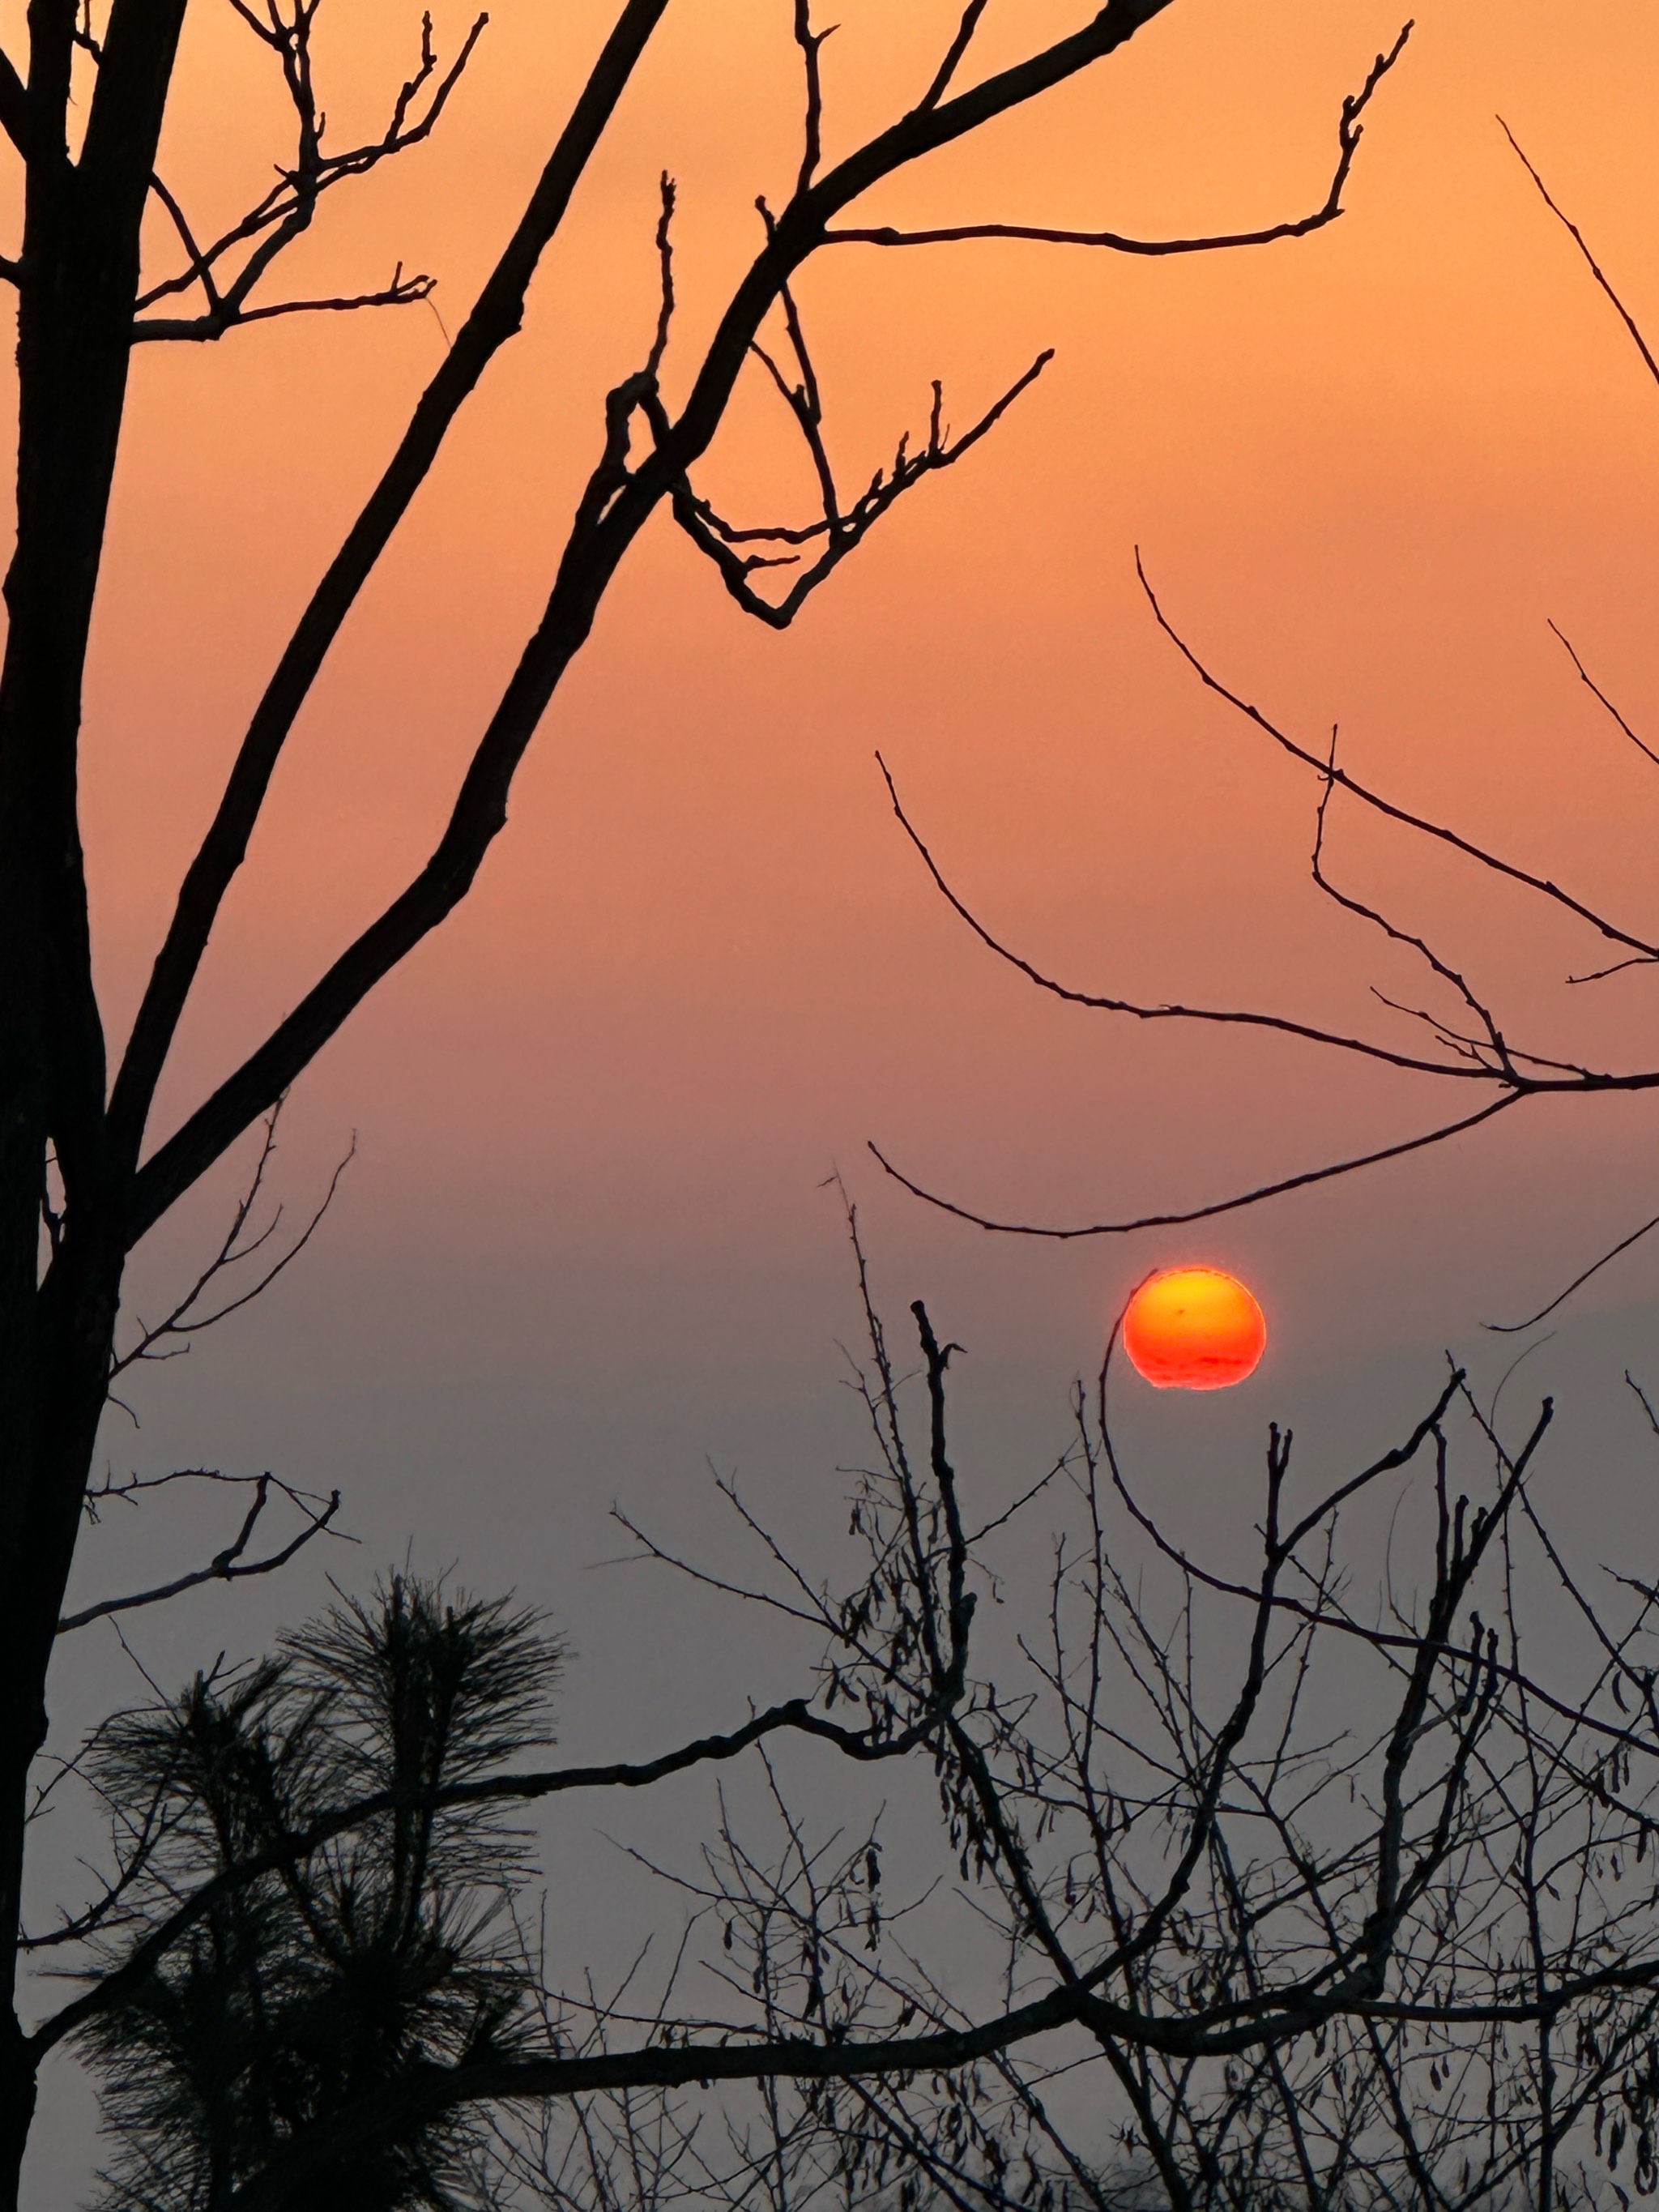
(84, 1175)
(1277, 1889)
(313, 1987)
(1460, 1040)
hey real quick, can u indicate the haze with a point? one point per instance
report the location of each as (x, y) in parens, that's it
(585, 1245)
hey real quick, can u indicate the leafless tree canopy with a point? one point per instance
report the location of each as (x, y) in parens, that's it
(1459, 1038)
(238, 1845)
(1283, 1888)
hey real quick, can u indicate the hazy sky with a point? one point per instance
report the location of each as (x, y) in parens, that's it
(584, 1244)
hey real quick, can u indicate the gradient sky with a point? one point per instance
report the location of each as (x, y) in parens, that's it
(584, 1244)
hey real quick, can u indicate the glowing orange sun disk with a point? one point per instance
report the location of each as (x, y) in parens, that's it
(1193, 1328)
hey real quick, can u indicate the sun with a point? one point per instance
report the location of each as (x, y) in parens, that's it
(1193, 1328)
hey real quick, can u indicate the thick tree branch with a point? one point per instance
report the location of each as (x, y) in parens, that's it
(795, 1716)
(496, 318)
(15, 118)
(430, 2091)
(135, 72)
(589, 560)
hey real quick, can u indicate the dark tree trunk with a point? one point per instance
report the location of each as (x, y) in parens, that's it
(73, 1198)
(80, 273)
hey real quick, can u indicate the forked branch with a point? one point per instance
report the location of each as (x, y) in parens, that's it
(286, 211)
(1350, 132)
(231, 1565)
(1484, 1054)
(604, 531)
(170, 1337)
(1388, 809)
(841, 532)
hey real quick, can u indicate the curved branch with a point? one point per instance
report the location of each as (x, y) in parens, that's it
(1491, 1060)
(1498, 1064)
(1220, 1206)
(430, 2090)
(1099, 1002)
(1384, 807)
(844, 532)
(1516, 1328)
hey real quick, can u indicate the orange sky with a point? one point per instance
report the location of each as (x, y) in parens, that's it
(583, 1244)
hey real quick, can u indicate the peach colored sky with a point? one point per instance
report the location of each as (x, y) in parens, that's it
(703, 966)
(584, 1244)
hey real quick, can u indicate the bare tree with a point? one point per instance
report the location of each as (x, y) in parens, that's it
(84, 1175)
(1460, 1040)
(1282, 1886)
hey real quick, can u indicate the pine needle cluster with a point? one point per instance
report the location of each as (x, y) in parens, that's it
(323, 1985)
